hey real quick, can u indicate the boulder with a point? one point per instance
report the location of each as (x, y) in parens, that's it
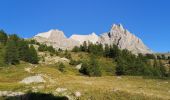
(33, 79)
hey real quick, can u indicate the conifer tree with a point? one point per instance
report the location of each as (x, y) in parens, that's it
(23, 50)
(11, 53)
(3, 37)
(106, 50)
(33, 55)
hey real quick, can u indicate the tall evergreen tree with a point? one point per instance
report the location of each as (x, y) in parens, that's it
(33, 55)
(3, 37)
(11, 53)
(14, 37)
(23, 50)
(106, 50)
(84, 46)
(2, 60)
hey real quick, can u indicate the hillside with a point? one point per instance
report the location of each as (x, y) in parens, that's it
(38, 71)
(70, 82)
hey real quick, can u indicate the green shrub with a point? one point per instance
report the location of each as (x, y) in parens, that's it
(74, 62)
(91, 68)
(61, 67)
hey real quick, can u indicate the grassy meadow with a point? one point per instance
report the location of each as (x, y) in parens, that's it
(107, 87)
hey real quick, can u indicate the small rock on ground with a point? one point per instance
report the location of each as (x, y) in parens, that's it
(61, 90)
(77, 94)
(10, 93)
(78, 66)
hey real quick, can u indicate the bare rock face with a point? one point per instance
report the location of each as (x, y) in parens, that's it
(57, 39)
(124, 40)
(118, 35)
(93, 38)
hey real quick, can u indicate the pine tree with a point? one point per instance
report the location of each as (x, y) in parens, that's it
(2, 60)
(162, 69)
(23, 50)
(76, 49)
(91, 68)
(84, 46)
(106, 50)
(11, 53)
(3, 37)
(33, 55)
(14, 37)
(51, 49)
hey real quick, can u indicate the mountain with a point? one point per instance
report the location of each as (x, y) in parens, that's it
(93, 38)
(57, 39)
(118, 35)
(124, 40)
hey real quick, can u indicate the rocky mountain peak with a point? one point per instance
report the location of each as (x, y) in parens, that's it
(93, 38)
(121, 37)
(117, 27)
(51, 33)
(117, 35)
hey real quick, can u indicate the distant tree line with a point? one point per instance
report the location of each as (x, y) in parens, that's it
(16, 49)
(127, 62)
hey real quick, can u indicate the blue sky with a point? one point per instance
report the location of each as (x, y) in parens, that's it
(148, 19)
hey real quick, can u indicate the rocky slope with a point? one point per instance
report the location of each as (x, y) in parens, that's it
(93, 38)
(57, 39)
(124, 40)
(117, 35)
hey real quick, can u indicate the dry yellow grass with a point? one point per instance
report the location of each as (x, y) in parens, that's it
(95, 88)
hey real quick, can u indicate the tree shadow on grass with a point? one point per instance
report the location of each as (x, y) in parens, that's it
(37, 96)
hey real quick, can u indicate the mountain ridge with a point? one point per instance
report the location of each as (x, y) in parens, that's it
(117, 35)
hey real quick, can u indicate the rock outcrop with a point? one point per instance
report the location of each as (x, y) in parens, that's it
(57, 39)
(118, 35)
(124, 40)
(93, 38)
(33, 79)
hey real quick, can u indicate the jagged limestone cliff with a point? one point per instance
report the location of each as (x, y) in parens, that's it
(118, 35)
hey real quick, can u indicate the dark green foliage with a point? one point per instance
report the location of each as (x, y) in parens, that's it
(11, 53)
(127, 63)
(74, 62)
(26, 53)
(42, 47)
(159, 57)
(84, 46)
(106, 50)
(33, 55)
(14, 37)
(32, 41)
(76, 49)
(61, 67)
(150, 56)
(2, 53)
(114, 51)
(91, 68)
(96, 49)
(23, 50)
(163, 57)
(168, 57)
(120, 68)
(50, 49)
(3, 37)
(130, 64)
(67, 54)
(60, 50)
